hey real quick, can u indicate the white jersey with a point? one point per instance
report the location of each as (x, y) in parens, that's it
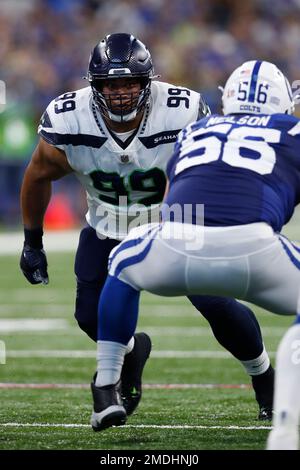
(124, 181)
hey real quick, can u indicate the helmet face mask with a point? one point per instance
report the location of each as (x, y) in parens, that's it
(120, 56)
(124, 106)
(257, 87)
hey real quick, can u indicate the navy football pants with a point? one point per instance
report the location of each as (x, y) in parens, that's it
(233, 324)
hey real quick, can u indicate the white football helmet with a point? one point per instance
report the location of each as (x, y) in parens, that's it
(257, 87)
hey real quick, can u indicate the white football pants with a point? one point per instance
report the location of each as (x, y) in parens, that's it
(248, 262)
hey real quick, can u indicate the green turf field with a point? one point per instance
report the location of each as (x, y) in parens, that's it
(45, 346)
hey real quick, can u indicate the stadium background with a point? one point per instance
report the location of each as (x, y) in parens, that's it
(44, 50)
(45, 46)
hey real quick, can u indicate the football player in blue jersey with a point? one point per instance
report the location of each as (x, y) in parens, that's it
(244, 167)
(117, 136)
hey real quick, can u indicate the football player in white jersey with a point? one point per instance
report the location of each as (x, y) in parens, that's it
(117, 135)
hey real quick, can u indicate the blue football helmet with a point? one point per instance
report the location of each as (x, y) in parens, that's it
(120, 55)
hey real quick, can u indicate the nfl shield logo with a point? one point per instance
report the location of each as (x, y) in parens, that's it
(124, 158)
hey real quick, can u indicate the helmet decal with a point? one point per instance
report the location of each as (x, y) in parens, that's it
(253, 82)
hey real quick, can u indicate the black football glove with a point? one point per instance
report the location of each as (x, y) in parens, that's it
(33, 260)
(34, 264)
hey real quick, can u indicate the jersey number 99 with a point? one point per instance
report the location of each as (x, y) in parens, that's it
(68, 103)
(112, 186)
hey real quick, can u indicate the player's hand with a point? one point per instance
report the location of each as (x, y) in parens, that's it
(34, 264)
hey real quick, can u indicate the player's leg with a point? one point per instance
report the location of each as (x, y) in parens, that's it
(117, 319)
(157, 267)
(236, 328)
(285, 435)
(91, 271)
(275, 285)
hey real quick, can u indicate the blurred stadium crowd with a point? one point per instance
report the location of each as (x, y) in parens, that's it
(45, 46)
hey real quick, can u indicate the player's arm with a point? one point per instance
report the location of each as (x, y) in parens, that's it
(48, 163)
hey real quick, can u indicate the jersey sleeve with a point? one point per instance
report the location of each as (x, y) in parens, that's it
(53, 127)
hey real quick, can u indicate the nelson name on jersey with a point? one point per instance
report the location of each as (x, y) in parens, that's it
(240, 120)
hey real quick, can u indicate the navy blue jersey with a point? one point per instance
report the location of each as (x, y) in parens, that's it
(243, 168)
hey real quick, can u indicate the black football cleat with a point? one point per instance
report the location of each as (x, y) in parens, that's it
(108, 409)
(263, 386)
(265, 414)
(132, 370)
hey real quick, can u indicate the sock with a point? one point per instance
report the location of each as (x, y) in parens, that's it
(110, 358)
(259, 365)
(287, 382)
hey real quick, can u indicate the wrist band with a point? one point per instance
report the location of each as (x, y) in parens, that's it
(34, 237)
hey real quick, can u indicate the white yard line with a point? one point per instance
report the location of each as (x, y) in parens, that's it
(11, 243)
(31, 324)
(34, 324)
(145, 386)
(134, 426)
